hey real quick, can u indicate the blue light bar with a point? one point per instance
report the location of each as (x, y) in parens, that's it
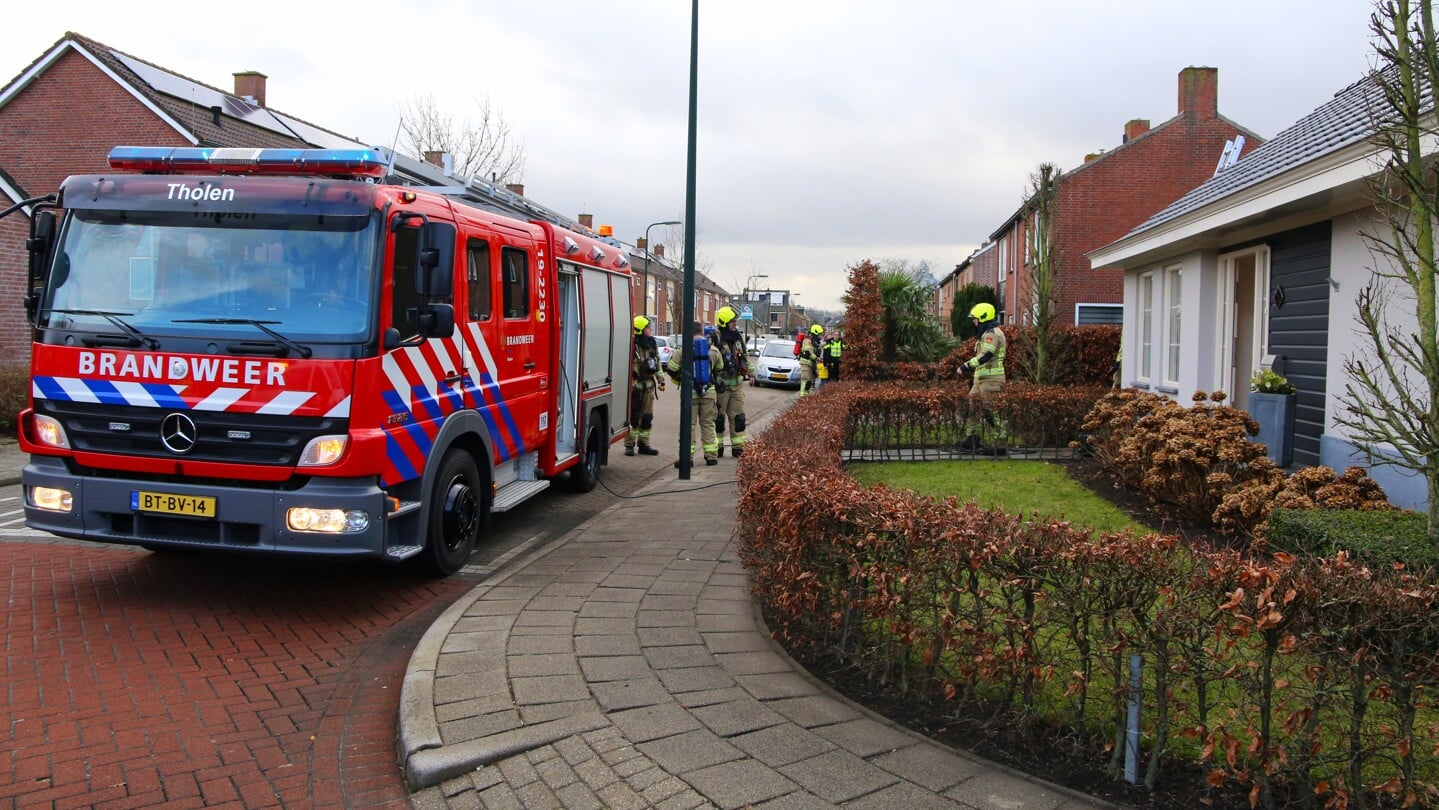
(211, 160)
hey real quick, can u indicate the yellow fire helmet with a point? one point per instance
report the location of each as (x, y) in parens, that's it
(817, 329)
(725, 315)
(982, 312)
(641, 323)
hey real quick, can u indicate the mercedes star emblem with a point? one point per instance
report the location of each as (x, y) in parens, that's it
(178, 434)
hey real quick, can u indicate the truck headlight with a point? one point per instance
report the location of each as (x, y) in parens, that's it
(327, 521)
(51, 499)
(323, 451)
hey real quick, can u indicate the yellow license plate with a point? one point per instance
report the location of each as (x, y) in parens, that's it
(780, 377)
(168, 504)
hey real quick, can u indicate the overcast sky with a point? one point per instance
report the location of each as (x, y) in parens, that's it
(828, 132)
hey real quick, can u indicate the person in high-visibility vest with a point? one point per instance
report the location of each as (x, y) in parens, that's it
(987, 366)
(833, 348)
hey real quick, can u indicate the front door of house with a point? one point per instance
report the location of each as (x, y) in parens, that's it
(1243, 287)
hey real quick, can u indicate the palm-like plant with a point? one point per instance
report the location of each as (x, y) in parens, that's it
(911, 331)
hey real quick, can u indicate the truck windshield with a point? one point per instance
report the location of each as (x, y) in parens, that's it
(189, 275)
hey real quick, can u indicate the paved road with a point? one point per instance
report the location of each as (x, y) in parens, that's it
(187, 680)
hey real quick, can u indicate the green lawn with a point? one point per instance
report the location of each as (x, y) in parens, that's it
(1017, 487)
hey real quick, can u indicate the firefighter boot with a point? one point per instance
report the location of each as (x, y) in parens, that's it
(629, 450)
(646, 450)
(737, 451)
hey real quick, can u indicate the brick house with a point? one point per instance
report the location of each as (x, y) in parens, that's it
(979, 267)
(1111, 193)
(65, 111)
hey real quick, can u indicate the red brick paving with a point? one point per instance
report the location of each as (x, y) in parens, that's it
(133, 679)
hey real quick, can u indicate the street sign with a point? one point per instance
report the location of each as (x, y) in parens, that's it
(746, 313)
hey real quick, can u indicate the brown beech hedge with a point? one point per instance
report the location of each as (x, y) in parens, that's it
(1303, 681)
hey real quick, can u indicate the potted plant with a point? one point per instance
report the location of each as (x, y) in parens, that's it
(1271, 403)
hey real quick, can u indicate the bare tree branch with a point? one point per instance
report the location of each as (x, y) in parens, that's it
(1391, 401)
(482, 146)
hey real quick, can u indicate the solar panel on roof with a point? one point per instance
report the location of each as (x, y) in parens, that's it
(163, 81)
(315, 135)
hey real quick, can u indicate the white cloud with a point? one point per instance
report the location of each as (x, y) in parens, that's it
(828, 132)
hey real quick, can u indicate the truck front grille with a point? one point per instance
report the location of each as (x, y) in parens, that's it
(237, 438)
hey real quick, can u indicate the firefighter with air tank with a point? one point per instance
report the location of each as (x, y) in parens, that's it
(703, 408)
(645, 381)
(729, 381)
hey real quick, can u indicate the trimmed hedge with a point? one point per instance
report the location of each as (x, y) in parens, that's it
(1256, 665)
(1377, 537)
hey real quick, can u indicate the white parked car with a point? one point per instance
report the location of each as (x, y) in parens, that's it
(667, 345)
(777, 365)
(754, 345)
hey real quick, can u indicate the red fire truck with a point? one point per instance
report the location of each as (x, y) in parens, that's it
(272, 350)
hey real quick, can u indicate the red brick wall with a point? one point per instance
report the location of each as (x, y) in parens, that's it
(14, 329)
(1109, 197)
(65, 122)
(985, 268)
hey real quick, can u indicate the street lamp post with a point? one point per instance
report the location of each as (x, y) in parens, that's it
(647, 246)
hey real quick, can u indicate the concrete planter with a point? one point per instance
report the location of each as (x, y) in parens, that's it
(1275, 415)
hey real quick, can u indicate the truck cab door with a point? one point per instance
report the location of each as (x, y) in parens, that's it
(424, 376)
(522, 356)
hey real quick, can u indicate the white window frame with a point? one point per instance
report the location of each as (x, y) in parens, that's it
(1003, 281)
(1173, 286)
(1145, 369)
(1080, 307)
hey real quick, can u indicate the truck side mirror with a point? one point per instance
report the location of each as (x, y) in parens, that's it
(437, 321)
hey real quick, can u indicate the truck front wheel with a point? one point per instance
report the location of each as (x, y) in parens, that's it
(584, 475)
(458, 508)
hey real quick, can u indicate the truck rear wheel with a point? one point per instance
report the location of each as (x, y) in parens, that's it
(459, 506)
(584, 475)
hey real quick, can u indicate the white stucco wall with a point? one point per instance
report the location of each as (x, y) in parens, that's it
(1351, 263)
(1199, 307)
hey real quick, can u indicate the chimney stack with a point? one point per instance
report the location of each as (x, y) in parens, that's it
(518, 188)
(435, 157)
(1199, 92)
(642, 243)
(1134, 128)
(587, 221)
(250, 84)
(659, 250)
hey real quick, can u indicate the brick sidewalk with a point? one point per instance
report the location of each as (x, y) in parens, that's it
(139, 680)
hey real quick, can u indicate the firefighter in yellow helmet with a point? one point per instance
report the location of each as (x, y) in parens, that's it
(987, 366)
(645, 382)
(729, 381)
(809, 358)
(706, 358)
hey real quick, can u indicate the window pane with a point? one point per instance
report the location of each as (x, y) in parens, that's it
(478, 254)
(1171, 372)
(517, 283)
(1146, 325)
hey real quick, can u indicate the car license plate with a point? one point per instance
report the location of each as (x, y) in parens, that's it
(780, 377)
(168, 504)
